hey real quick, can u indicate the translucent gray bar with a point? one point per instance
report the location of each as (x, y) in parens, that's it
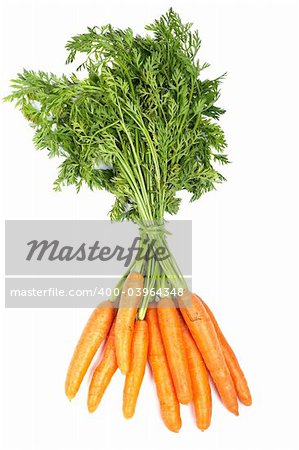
(61, 292)
(19, 233)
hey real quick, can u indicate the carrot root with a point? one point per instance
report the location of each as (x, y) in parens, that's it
(136, 373)
(169, 405)
(206, 339)
(232, 363)
(169, 322)
(91, 338)
(103, 373)
(202, 399)
(124, 327)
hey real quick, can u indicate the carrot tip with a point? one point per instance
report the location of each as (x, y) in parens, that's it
(246, 402)
(203, 427)
(175, 428)
(91, 408)
(233, 409)
(128, 413)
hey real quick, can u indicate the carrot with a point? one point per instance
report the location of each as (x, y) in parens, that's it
(103, 373)
(169, 322)
(205, 337)
(136, 373)
(201, 389)
(91, 338)
(169, 405)
(232, 363)
(124, 326)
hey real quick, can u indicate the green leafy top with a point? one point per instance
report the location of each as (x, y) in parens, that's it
(141, 124)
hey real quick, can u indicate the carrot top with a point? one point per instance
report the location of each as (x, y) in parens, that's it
(141, 124)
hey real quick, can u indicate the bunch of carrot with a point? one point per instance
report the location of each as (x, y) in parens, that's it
(142, 124)
(184, 346)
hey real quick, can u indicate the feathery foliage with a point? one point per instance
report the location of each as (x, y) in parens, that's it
(142, 124)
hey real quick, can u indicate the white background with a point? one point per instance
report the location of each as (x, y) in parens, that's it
(245, 235)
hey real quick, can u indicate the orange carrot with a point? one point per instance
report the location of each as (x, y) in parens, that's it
(136, 373)
(124, 326)
(103, 373)
(202, 399)
(232, 363)
(170, 408)
(206, 339)
(91, 338)
(169, 322)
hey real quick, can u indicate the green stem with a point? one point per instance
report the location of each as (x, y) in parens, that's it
(150, 286)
